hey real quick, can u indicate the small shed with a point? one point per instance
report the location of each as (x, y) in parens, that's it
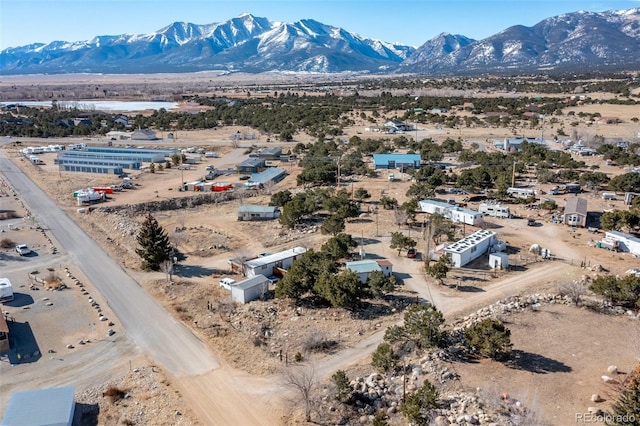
(363, 268)
(250, 289)
(42, 407)
(249, 212)
(498, 260)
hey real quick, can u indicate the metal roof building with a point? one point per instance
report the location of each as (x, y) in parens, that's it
(42, 407)
(252, 212)
(264, 265)
(270, 174)
(74, 160)
(470, 248)
(396, 161)
(452, 212)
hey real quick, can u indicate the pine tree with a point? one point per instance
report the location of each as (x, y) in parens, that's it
(154, 244)
(626, 410)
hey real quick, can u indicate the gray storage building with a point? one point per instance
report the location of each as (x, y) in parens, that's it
(250, 289)
(42, 407)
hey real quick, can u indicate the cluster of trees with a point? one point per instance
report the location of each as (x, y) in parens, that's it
(627, 182)
(301, 206)
(315, 275)
(622, 291)
(51, 123)
(621, 155)
(286, 113)
(621, 220)
(423, 329)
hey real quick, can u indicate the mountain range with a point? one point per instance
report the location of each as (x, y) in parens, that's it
(580, 41)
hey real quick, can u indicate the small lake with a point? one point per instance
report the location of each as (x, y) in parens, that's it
(121, 106)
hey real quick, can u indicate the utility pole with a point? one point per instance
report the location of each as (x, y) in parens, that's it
(427, 236)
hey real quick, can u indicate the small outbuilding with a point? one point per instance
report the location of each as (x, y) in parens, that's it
(363, 268)
(498, 260)
(250, 289)
(42, 407)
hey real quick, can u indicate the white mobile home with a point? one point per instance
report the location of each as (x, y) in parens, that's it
(454, 213)
(248, 212)
(626, 242)
(250, 289)
(521, 192)
(265, 265)
(6, 290)
(470, 248)
(495, 210)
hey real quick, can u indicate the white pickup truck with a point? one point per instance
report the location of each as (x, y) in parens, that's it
(23, 250)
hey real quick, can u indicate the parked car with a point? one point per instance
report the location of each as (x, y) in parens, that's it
(23, 249)
(245, 177)
(412, 253)
(273, 279)
(531, 222)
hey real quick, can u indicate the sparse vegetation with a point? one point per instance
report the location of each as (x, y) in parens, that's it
(6, 243)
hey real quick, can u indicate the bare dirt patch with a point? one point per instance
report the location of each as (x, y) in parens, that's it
(561, 353)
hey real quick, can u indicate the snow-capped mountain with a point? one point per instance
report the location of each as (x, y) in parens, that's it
(246, 43)
(576, 41)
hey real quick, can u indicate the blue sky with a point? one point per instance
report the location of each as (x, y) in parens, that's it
(409, 22)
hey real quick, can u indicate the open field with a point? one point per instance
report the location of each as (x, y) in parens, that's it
(564, 349)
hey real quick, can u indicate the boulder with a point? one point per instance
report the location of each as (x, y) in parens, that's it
(612, 369)
(596, 398)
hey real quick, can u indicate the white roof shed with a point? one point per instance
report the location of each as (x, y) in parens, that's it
(250, 289)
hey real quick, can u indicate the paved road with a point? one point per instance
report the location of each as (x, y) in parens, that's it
(153, 329)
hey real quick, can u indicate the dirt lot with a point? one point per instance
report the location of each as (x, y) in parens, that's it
(570, 347)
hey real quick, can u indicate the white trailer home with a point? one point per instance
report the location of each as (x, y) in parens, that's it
(626, 242)
(264, 265)
(470, 248)
(454, 213)
(495, 210)
(249, 212)
(6, 290)
(521, 192)
(250, 289)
